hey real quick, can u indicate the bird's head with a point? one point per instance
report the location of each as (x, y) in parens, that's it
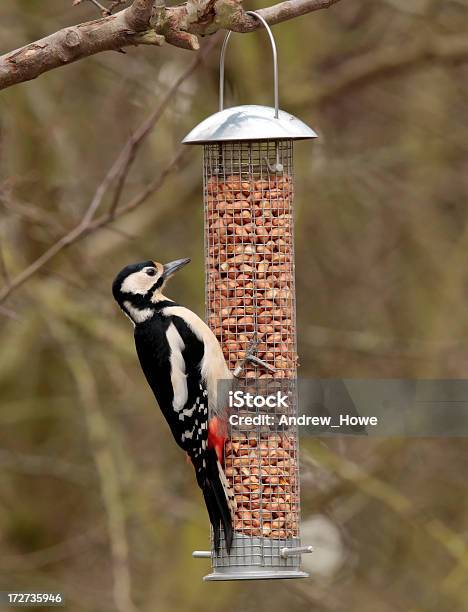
(138, 287)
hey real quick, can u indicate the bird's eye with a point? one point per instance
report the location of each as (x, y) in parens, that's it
(151, 272)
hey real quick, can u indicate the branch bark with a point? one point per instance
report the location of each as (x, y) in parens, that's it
(139, 14)
(179, 25)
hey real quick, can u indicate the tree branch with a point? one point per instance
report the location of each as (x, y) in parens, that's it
(74, 43)
(82, 230)
(179, 25)
(117, 173)
(358, 72)
(139, 14)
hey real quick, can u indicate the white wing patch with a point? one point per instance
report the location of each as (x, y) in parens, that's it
(187, 412)
(188, 435)
(178, 375)
(213, 365)
(227, 489)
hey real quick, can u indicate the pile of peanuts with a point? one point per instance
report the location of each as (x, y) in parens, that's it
(262, 472)
(250, 276)
(250, 291)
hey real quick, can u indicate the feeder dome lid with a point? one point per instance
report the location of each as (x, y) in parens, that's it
(249, 122)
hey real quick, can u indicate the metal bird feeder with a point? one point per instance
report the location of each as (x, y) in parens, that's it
(250, 305)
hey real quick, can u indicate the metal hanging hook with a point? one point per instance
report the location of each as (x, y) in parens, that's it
(275, 63)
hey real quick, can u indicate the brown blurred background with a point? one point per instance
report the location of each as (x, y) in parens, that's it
(95, 498)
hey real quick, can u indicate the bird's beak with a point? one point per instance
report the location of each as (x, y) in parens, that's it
(171, 268)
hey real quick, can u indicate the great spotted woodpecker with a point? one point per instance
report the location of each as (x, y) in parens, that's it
(183, 362)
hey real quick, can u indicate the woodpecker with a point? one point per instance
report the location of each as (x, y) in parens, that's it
(182, 362)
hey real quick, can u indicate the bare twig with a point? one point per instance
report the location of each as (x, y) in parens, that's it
(53, 554)
(388, 61)
(70, 44)
(399, 503)
(368, 342)
(114, 4)
(117, 172)
(80, 231)
(38, 465)
(179, 25)
(128, 153)
(32, 213)
(104, 11)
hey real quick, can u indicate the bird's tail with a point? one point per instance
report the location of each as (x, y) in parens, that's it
(219, 498)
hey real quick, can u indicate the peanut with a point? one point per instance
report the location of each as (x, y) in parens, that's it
(250, 293)
(265, 498)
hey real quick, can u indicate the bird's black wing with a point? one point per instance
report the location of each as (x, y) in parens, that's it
(170, 354)
(154, 341)
(194, 415)
(153, 352)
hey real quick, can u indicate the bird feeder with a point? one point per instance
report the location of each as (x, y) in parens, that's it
(250, 306)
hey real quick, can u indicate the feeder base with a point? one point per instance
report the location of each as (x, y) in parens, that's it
(228, 573)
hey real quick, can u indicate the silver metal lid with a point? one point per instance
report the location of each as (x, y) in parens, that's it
(249, 122)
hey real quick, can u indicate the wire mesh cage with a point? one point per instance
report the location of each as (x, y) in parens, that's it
(250, 252)
(250, 306)
(250, 299)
